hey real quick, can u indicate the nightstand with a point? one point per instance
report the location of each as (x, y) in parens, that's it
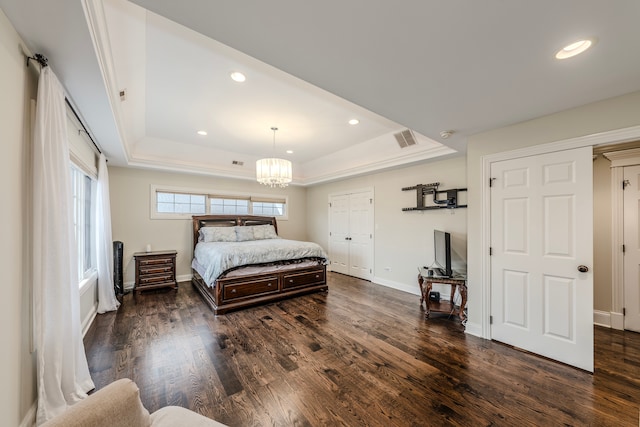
(155, 270)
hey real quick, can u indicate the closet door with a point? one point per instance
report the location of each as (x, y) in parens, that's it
(351, 234)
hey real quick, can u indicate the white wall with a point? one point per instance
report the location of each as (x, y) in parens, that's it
(607, 115)
(403, 240)
(17, 364)
(131, 222)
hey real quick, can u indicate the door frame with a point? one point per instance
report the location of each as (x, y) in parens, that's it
(603, 138)
(619, 159)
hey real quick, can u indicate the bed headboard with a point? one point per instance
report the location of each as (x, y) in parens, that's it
(200, 221)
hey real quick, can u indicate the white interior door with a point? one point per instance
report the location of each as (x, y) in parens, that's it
(361, 235)
(351, 234)
(541, 233)
(631, 272)
(339, 233)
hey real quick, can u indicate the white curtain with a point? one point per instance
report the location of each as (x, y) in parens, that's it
(106, 295)
(62, 372)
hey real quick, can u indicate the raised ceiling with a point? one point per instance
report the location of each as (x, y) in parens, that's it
(425, 65)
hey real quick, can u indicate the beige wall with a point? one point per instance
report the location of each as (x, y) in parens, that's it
(602, 287)
(403, 240)
(17, 364)
(131, 222)
(615, 113)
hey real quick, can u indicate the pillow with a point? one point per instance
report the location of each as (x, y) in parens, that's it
(262, 232)
(244, 233)
(218, 234)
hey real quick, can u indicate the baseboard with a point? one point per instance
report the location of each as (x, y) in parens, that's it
(617, 321)
(29, 419)
(88, 319)
(602, 318)
(474, 329)
(412, 289)
(128, 286)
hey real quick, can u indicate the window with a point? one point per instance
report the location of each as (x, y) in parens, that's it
(229, 206)
(83, 188)
(181, 203)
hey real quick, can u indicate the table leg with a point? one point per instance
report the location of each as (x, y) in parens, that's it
(463, 304)
(420, 282)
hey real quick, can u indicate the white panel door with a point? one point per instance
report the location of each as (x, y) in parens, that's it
(632, 248)
(351, 234)
(339, 233)
(361, 235)
(541, 233)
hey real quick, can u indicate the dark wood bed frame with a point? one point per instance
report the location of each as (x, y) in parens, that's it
(234, 293)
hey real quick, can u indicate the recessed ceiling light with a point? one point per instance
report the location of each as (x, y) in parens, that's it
(289, 151)
(574, 49)
(354, 121)
(237, 76)
(202, 132)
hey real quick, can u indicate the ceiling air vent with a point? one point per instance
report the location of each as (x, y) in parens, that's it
(237, 163)
(405, 138)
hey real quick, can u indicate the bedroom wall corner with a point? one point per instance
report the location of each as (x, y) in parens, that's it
(18, 85)
(131, 222)
(403, 240)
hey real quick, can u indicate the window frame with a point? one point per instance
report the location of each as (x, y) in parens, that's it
(154, 189)
(85, 238)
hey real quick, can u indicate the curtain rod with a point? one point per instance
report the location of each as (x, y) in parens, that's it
(43, 61)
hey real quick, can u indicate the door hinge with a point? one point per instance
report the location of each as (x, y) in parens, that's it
(371, 236)
(330, 205)
(491, 320)
(625, 183)
(624, 249)
(491, 182)
(329, 233)
(624, 311)
(490, 251)
(370, 272)
(370, 201)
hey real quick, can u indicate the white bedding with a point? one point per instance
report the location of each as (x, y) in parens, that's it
(215, 258)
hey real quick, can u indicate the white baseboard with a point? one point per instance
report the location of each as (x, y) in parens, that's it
(412, 289)
(29, 419)
(602, 318)
(617, 321)
(88, 319)
(128, 286)
(474, 329)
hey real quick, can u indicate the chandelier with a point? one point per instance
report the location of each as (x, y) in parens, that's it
(273, 172)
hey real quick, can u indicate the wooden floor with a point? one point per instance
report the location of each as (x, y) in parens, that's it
(361, 354)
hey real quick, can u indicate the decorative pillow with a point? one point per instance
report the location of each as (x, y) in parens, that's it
(218, 234)
(244, 233)
(262, 232)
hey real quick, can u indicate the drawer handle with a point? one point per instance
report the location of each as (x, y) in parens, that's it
(290, 280)
(317, 276)
(268, 284)
(233, 291)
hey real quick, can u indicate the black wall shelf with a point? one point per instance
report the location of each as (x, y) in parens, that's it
(449, 202)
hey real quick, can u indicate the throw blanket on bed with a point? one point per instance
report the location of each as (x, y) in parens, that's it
(218, 257)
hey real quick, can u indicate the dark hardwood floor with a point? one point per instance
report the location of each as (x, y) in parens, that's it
(361, 354)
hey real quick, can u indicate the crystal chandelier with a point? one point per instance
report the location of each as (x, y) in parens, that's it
(272, 171)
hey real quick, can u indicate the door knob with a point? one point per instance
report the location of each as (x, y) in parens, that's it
(583, 268)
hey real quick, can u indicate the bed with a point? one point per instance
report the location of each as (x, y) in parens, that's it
(239, 261)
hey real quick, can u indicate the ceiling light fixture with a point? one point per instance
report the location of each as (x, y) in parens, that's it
(574, 49)
(202, 132)
(274, 172)
(354, 121)
(289, 151)
(237, 76)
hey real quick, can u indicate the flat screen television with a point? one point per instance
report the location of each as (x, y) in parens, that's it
(442, 247)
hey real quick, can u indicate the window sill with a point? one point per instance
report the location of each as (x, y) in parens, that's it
(85, 284)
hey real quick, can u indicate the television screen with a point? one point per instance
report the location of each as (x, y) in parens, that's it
(442, 248)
